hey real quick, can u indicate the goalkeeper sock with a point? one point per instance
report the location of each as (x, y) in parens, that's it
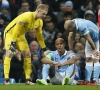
(27, 67)
(6, 67)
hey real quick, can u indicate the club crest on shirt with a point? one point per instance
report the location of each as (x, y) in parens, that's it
(20, 22)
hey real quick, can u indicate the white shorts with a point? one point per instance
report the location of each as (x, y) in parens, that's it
(88, 49)
(58, 78)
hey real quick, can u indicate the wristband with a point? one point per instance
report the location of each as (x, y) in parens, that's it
(44, 49)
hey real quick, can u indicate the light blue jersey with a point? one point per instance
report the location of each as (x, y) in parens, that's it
(85, 26)
(55, 57)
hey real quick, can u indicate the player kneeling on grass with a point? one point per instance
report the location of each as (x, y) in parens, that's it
(63, 72)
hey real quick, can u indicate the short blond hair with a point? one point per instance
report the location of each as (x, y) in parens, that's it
(43, 7)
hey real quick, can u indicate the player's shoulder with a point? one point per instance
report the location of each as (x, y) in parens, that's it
(27, 14)
(53, 53)
(70, 53)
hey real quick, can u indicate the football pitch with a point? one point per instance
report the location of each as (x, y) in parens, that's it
(48, 87)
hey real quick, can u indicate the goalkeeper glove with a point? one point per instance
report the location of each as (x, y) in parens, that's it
(46, 51)
(12, 48)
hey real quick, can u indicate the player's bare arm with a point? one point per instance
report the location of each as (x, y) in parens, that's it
(46, 60)
(70, 61)
(39, 36)
(40, 39)
(70, 40)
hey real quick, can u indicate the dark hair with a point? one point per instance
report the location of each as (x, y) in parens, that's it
(35, 53)
(67, 13)
(61, 39)
(87, 2)
(25, 2)
(55, 37)
(20, 10)
(50, 22)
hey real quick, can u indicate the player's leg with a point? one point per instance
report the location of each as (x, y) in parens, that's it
(96, 67)
(57, 79)
(69, 73)
(24, 48)
(7, 58)
(72, 80)
(45, 73)
(89, 62)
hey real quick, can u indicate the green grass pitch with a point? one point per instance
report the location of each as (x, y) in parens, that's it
(21, 86)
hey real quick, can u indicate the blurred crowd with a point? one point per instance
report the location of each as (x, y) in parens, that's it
(53, 28)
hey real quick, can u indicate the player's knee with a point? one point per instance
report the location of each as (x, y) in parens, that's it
(95, 60)
(8, 54)
(73, 73)
(27, 54)
(52, 71)
(89, 59)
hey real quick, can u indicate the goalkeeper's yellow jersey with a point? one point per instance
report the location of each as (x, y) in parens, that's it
(24, 23)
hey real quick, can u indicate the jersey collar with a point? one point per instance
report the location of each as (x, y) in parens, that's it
(63, 54)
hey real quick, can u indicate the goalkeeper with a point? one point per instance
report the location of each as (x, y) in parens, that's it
(14, 39)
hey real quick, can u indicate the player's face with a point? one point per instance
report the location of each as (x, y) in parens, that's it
(60, 46)
(71, 29)
(42, 13)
